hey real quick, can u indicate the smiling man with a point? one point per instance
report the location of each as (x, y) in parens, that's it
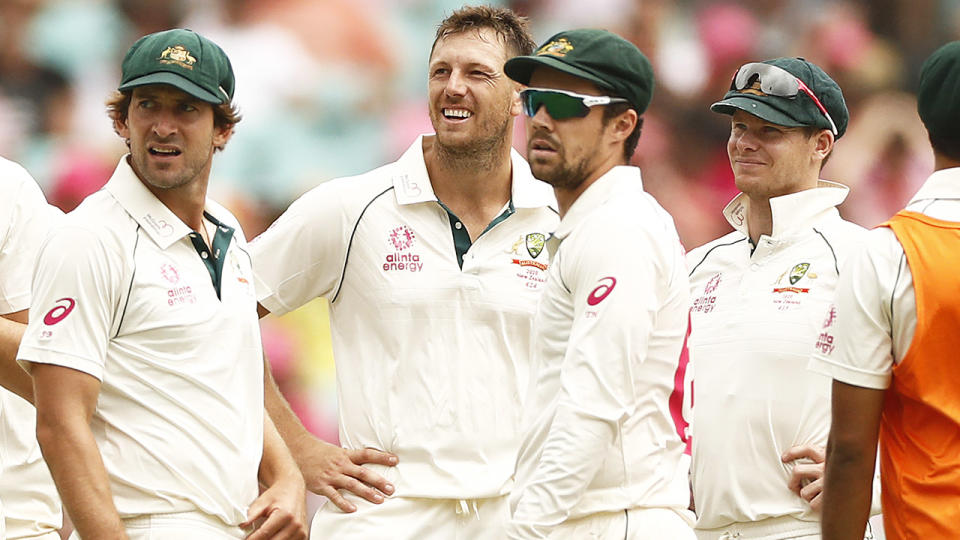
(603, 453)
(760, 293)
(145, 345)
(432, 266)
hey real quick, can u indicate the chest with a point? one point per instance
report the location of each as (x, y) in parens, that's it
(418, 257)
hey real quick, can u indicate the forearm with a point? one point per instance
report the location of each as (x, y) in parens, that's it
(847, 493)
(12, 376)
(285, 422)
(74, 460)
(277, 463)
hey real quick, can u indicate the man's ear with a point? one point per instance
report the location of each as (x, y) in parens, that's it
(516, 106)
(221, 135)
(623, 124)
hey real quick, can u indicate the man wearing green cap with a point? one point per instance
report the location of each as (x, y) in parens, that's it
(894, 355)
(603, 455)
(145, 346)
(760, 296)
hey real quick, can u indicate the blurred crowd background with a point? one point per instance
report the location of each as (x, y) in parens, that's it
(330, 88)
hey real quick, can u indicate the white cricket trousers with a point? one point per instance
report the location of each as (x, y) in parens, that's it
(178, 526)
(400, 518)
(632, 524)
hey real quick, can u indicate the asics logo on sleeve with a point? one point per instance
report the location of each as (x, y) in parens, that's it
(59, 312)
(602, 291)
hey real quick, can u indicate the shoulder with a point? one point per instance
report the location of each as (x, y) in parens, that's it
(99, 220)
(349, 194)
(702, 258)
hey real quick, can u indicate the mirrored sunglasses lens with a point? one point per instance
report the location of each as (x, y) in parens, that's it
(559, 106)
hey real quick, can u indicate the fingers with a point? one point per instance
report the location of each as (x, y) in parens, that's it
(811, 493)
(258, 509)
(337, 499)
(372, 455)
(280, 525)
(812, 452)
(804, 474)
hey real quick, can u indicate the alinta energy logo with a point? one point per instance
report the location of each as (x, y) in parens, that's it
(401, 241)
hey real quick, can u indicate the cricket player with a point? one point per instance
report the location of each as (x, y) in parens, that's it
(759, 294)
(31, 507)
(432, 266)
(892, 350)
(603, 454)
(145, 345)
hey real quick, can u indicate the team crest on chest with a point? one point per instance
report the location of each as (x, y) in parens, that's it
(798, 272)
(535, 243)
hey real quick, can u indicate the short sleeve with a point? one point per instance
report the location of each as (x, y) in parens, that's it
(25, 218)
(854, 345)
(301, 256)
(76, 290)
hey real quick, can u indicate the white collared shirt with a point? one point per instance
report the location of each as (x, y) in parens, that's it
(431, 357)
(31, 504)
(876, 303)
(602, 417)
(122, 294)
(754, 317)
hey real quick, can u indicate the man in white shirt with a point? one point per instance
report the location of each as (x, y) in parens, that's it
(603, 454)
(145, 346)
(892, 352)
(31, 506)
(432, 266)
(760, 293)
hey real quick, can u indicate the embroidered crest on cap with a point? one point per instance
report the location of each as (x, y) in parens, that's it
(179, 55)
(558, 48)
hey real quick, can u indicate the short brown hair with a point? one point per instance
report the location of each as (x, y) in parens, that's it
(513, 28)
(118, 105)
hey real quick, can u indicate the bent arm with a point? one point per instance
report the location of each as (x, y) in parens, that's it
(851, 458)
(12, 376)
(65, 401)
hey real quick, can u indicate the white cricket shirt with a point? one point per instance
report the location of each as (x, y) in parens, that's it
(876, 303)
(754, 317)
(601, 417)
(431, 355)
(122, 293)
(31, 505)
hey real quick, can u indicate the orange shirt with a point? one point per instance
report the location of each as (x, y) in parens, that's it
(920, 425)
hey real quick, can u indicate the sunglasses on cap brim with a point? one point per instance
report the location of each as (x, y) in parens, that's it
(776, 81)
(562, 104)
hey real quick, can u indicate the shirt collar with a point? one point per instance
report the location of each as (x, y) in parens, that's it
(161, 224)
(412, 183)
(791, 211)
(614, 181)
(942, 184)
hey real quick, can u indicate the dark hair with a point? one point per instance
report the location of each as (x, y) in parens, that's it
(946, 146)
(514, 29)
(630, 144)
(118, 105)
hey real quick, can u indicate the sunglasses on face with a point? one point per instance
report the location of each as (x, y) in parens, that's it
(775, 81)
(562, 104)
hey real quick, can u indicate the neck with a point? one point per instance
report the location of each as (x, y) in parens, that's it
(759, 218)
(941, 162)
(479, 179)
(567, 196)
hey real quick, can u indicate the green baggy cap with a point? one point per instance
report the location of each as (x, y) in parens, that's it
(796, 111)
(183, 59)
(599, 56)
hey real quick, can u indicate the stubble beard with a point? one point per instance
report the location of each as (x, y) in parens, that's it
(561, 175)
(481, 153)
